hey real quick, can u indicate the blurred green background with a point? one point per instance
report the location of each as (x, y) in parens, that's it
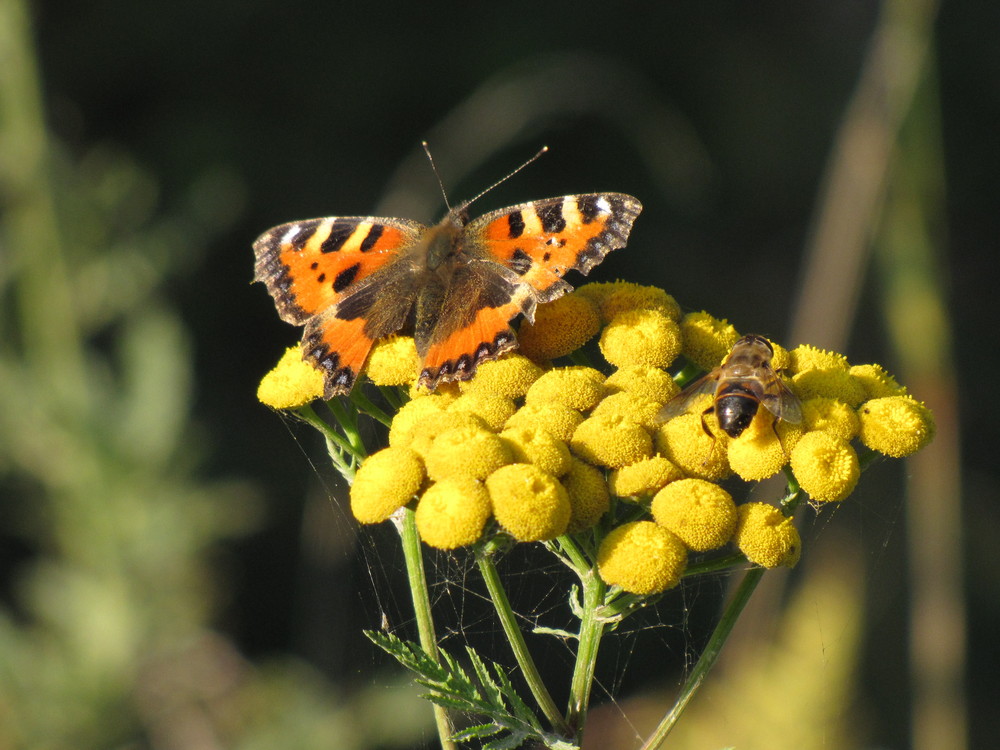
(176, 573)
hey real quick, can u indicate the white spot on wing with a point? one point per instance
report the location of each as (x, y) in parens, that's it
(603, 205)
(292, 229)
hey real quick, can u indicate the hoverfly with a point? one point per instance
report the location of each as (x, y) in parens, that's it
(739, 386)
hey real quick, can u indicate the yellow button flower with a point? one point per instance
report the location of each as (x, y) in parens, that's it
(896, 425)
(805, 357)
(509, 376)
(393, 361)
(684, 442)
(830, 415)
(558, 419)
(644, 381)
(588, 495)
(412, 412)
(759, 453)
(642, 558)
(453, 512)
(826, 466)
(469, 451)
(494, 410)
(532, 506)
(629, 406)
(820, 373)
(536, 445)
(707, 340)
(700, 513)
(386, 481)
(560, 327)
(292, 383)
(617, 297)
(423, 431)
(766, 537)
(611, 441)
(641, 337)
(876, 381)
(643, 478)
(575, 387)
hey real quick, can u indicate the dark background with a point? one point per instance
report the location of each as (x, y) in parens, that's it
(720, 117)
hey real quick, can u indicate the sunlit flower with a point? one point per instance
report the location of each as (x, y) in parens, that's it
(588, 495)
(531, 505)
(805, 357)
(766, 537)
(759, 452)
(644, 381)
(641, 337)
(684, 442)
(393, 361)
(292, 383)
(643, 478)
(820, 373)
(700, 513)
(536, 445)
(621, 296)
(825, 466)
(707, 340)
(453, 512)
(412, 412)
(469, 451)
(558, 419)
(896, 425)
(611, 441)
(560, 327)
(642, 558)
(422, 433)
(509, 376)
(633, 407)
(386, 481)
(831, 415)
(575, 387)
(876, 381)
(494, 410)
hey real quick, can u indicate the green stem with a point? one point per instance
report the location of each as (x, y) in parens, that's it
(708, 657)
(591, 630)
(410, 540)
(518, 646)
(342, 444)
(365, 404)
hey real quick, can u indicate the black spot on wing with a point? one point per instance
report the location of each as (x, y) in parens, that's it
(520, 262)
(373, 236)
(552, 218)
(339, 234)
(588, 207)
(346, 277)
(516, 223)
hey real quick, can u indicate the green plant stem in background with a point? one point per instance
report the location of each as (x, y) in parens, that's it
(509, 622)
(410, 539)
(589, 641)
(708, 657)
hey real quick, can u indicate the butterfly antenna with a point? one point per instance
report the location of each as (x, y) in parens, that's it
(504, 179)
(427, 150)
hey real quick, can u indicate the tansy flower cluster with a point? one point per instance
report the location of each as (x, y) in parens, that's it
(535, 451)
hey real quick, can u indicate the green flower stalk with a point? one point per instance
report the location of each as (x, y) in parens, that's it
(578, 458)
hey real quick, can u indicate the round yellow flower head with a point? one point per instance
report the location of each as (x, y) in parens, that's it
(896, 425)
(611, 441)
(643, 478)
(292, 383)
(629, 406)
(623, 296)
(531, 505)
(684, 442)
(509, 376)
(393, 361)
(561, 421)
(831, 415)
(386, 481)
(468, 451)
(494, 410)
(453, 512)
(536, 445)
(560, 327)
(700, 513)
(876, 381)
(642, 558)
(641, 337)
(782, 358)
(411, 413)
(826, 466)
(707, 340)
(575, 387)
(647, 382)
(766, 537)
(423, 432)
(760, 451)
(805, 357)
(588, 495)
(829, 382)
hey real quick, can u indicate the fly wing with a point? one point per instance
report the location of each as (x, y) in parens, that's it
(781, 402)
(680, 403)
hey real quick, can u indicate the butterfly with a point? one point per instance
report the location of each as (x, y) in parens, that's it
(455, 286)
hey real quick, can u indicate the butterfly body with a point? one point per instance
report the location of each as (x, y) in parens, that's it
(455, 286)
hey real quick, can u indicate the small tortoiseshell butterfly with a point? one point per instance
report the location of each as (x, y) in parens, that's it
(455, 286)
